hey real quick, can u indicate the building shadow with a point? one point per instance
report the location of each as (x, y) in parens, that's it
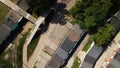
(13, 34)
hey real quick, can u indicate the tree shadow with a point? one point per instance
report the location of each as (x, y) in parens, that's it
(56, 16)
(59, 14)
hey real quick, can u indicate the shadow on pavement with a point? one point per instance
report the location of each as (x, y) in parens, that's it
(59, 15)
(56, 16)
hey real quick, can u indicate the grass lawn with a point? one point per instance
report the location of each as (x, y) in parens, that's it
(76, 63)
(4, 10)
(87, 47)
(32, 46)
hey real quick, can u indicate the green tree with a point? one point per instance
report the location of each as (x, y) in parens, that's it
(78, 9)
(90, 22)
(90, 12)
(39, 6)
(103, 35)
(94, 15)
(79, 22)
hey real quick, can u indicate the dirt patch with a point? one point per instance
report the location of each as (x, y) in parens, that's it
(27, 27)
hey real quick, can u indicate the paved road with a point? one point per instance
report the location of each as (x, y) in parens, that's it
(19, 10)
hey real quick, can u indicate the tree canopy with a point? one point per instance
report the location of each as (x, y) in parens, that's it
(103, 35)
(92, 15)
(90, 12)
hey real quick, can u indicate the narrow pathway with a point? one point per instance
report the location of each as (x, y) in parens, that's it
(19, 10)
(28, 40)
(39, 47)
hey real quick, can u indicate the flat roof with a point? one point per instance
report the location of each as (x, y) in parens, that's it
(115, 63)
(62, 53)
(66, 46)
(55, 63)
(115, 23)
(75, 33)
(86, 65)
(91, 57)
(4, 32)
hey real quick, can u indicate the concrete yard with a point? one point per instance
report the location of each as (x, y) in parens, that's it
(49, 41)
(53, 39)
